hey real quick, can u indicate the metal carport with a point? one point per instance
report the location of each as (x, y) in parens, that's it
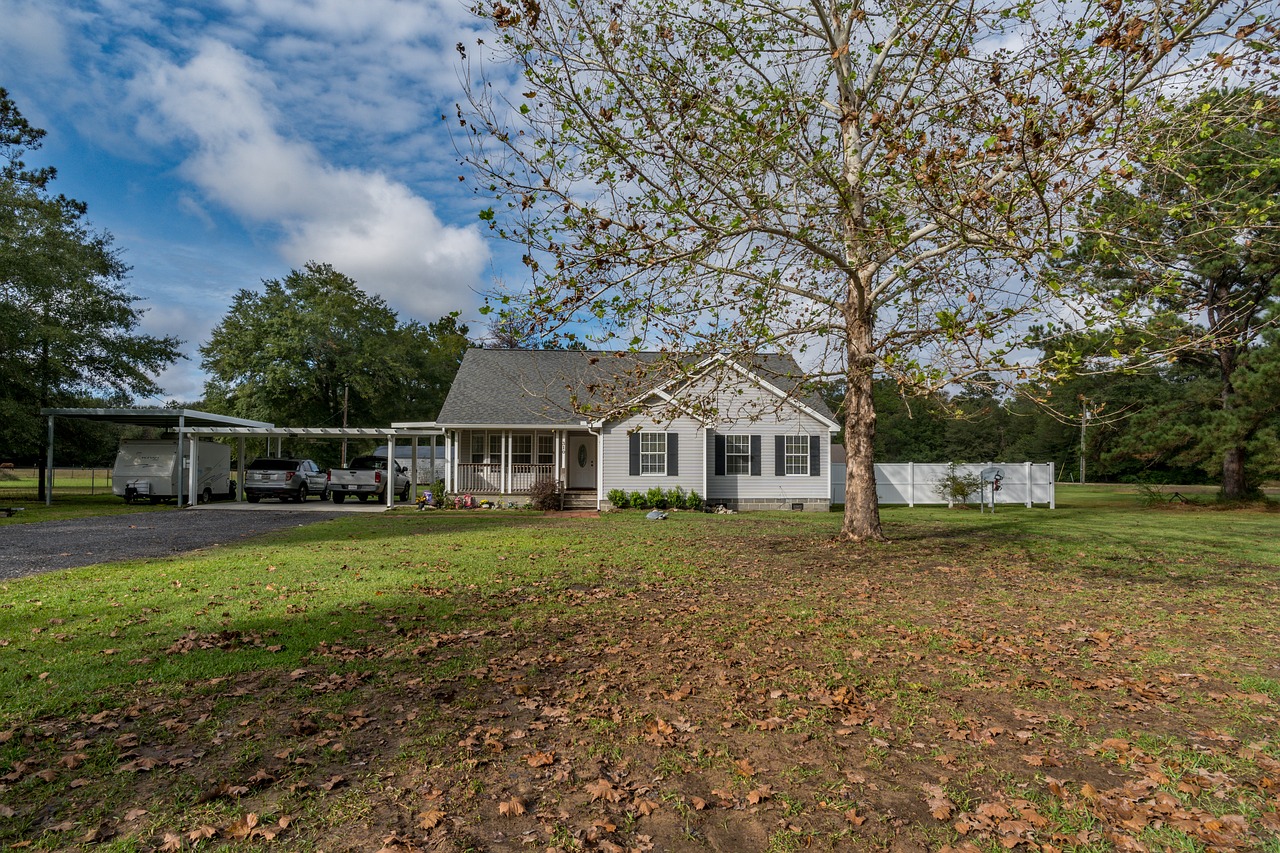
(174, 419)
(390, 434)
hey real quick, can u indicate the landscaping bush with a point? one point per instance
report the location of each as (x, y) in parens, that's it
(656, 497)
(545, 494)
(640, 500)
(619, 498)
(955, 487)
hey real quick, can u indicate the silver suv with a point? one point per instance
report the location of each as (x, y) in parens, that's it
(286, 479)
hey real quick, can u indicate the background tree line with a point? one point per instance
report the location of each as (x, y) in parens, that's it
(310, 349)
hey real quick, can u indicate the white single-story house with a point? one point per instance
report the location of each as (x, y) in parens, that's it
(746, 436)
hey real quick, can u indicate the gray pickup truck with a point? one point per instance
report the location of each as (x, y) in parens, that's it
(366, 478)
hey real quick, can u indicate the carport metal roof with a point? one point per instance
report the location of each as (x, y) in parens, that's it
(175, 419)
(388, 434)
(311, 432)
(157, 417)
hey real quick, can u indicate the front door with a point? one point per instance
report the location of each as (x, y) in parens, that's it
(582, 461)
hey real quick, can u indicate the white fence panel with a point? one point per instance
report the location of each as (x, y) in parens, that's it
(914, 483)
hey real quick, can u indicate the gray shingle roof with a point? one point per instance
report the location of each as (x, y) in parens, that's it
(569, 387)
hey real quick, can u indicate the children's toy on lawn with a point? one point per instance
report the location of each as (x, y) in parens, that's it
(426, 500)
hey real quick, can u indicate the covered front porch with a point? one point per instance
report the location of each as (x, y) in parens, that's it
(509, 461)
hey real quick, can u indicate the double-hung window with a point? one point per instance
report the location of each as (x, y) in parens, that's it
(737, 454)
(546, 449)
(796, 449)
(653, 453)
(522, 449)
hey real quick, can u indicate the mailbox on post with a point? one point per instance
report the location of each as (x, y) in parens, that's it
(991, 478)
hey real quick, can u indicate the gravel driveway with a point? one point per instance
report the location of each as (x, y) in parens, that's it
(28, 549)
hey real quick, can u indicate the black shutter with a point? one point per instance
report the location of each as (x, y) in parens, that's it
(755, 456)
(779, 456)
(635, 453)
(815, 456)
(673, 454)
(720, 443)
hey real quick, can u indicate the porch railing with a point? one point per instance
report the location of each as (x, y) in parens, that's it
(486, 477)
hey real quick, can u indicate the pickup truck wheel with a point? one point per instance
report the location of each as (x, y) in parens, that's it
(302, 493)
(338, 498)
(362, 498)
(404, 493)
(253, 499)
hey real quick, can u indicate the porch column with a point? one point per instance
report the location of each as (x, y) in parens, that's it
(448, 462)
(599, 466)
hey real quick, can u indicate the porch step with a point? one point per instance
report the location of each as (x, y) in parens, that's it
(579, 500)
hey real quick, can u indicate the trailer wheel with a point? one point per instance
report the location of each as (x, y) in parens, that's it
(206, 497)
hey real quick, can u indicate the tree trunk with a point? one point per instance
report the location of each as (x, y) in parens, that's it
(861, 507)
(1234, 487)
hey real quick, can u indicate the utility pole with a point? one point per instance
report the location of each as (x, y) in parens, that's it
(346, 389)
(1084, 419)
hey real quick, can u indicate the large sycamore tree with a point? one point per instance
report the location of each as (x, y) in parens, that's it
(873, 187)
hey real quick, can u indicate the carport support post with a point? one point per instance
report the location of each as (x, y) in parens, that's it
(239, 469)
(391, 471)
(182, 426)
(48, 467)
(193, 493)
(413, 468)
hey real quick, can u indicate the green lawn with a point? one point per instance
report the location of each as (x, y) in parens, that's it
(1086, 678)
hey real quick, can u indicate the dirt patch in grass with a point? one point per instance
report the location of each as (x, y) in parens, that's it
(781, 692)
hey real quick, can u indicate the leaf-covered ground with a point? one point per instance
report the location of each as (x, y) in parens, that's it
(704, 683)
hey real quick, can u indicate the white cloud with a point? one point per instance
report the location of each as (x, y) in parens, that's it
(33, 35)
(358, 219)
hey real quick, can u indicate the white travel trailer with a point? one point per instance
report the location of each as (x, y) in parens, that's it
(146, 469)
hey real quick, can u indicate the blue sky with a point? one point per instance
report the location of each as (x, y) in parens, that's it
(229, 141)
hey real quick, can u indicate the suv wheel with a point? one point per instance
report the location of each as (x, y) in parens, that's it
(302, 493)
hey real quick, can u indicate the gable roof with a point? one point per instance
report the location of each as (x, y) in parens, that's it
(499, 387)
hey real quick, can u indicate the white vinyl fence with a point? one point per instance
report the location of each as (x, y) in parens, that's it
(914, 483)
